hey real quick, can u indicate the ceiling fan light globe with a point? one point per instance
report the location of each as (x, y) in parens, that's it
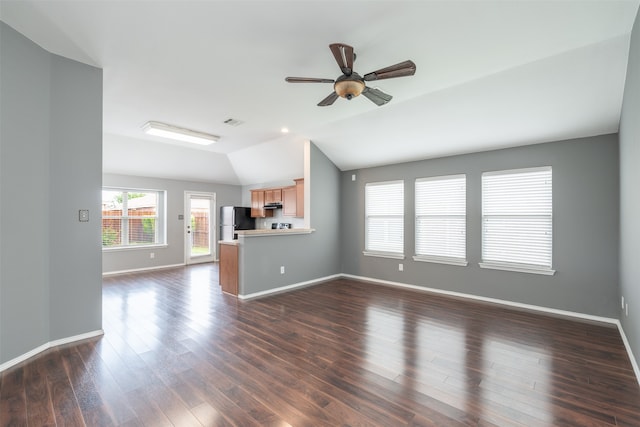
(348, 89)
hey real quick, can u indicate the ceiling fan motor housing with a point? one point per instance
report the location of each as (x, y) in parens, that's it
(349, 87)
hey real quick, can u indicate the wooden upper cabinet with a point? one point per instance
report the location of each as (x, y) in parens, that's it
(273, 195)
(292, 199)
(289, 201)
(299, 197)
(257, 205)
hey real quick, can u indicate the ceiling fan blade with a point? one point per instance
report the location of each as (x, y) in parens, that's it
(307, 80)
(344, 57)
(376, 96)
(402, 69)
(328, 100)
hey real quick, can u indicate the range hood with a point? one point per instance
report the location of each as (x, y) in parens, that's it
(274, 205)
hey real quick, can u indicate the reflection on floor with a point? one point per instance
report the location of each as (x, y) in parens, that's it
(177, 351)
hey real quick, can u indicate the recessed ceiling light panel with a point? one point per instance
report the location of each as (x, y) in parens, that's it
(179, 134)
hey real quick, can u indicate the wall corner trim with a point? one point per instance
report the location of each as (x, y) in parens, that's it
(289, 287)
(633, 360)
(49, 345)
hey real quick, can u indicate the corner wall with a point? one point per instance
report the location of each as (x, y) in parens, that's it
(50, 163)
(585, 227)
(630, 196)
(306, 257)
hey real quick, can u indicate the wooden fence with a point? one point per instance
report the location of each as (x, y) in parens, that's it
(143, 230)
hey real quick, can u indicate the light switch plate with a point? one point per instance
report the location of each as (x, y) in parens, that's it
(83, 215)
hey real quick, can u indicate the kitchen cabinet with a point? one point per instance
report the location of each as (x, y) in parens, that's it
(299, 197)
(293, 199)
(228, 268)
(289, 201)
(273, 195)
(257, 205)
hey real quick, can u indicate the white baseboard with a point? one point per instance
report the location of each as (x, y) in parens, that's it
(47, 346)
(564, 313)
(634, 363)
(531, 307)
(140, 270)
(289, 287)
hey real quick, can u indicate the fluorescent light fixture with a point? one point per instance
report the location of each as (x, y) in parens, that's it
(180, 134)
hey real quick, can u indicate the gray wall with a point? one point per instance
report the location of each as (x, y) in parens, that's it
(585, 243)
(50, 116)
(630, 195)
(307, 256)
(132, 259)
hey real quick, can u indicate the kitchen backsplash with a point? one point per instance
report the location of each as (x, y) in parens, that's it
(265, 223)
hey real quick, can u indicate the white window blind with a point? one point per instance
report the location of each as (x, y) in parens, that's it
(384, 218)
(441, 219)
(517, 220)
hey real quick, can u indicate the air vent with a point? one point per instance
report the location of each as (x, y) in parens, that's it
(233, 122)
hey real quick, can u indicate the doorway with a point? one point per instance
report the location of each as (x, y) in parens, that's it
(200, 219)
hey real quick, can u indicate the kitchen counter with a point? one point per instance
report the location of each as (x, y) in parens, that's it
(274, 232)
(228, 242)
(232, 253)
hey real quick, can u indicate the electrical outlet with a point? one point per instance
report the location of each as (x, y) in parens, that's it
(400, 267)
(152, 255)
(282, 269)
(626, 309)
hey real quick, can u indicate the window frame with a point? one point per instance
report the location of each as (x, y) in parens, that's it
(455, 179)
(160, 237)
(544, 269)
(368, 251)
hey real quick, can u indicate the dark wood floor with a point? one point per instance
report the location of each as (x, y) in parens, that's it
(176, 351)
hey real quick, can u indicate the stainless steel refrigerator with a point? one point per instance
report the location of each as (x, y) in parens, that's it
(233, 218)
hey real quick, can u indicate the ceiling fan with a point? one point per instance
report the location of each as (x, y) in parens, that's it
(350, 84)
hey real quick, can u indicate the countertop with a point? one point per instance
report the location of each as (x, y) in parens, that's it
(274, 232)
(228, 242)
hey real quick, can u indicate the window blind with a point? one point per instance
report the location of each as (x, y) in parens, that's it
(441, 219)
(517, 218)
(384, 212)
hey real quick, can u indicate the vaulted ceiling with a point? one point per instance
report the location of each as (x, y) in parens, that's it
(490, 74)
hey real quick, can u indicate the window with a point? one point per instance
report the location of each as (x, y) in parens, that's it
(517, 220)
(441, 220)
(384, 219)
(132, 218)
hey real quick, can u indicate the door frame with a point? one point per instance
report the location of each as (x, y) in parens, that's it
(188, 259)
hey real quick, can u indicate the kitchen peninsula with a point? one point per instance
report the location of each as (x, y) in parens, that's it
(231, 266)
(269, 206)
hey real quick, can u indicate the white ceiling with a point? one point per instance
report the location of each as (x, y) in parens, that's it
(490, 74)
